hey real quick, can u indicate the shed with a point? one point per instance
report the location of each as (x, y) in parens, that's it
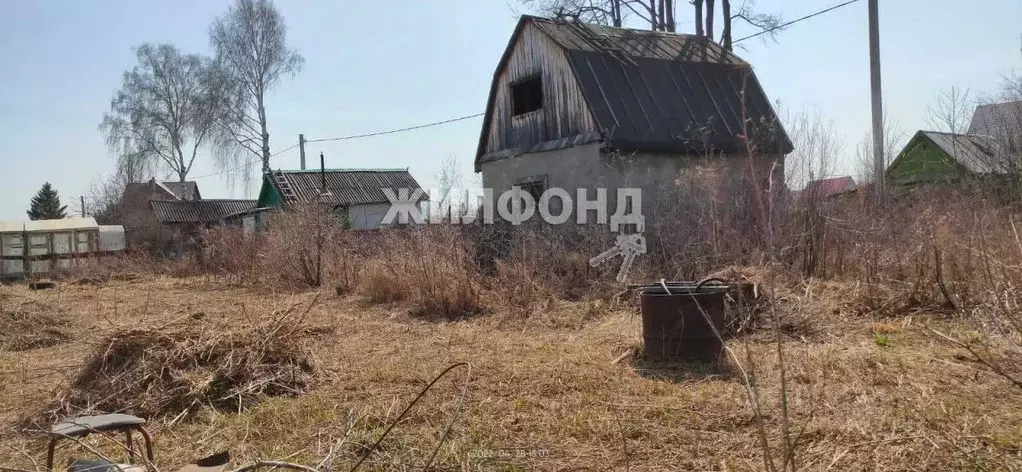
(360, 195)
(44, 246)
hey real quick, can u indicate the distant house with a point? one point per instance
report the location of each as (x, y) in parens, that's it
(824, 188)
(1001, 121)
(932, 156)
(580, 106)
(167, 213)
(358, 195)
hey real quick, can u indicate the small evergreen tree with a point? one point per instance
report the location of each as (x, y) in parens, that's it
(46, 205)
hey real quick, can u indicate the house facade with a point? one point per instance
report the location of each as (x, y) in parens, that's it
(358, 195)
(932, 156)
(582, 107)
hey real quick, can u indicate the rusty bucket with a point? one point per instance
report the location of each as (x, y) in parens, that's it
(676, 319)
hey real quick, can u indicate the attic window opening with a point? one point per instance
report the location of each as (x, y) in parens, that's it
(527, 95)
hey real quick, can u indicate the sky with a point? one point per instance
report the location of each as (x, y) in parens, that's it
(373, 66)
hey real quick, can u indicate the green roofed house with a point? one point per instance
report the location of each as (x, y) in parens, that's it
(360, 195)
(932, 156)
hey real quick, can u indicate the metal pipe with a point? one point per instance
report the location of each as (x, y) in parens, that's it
(322, 173)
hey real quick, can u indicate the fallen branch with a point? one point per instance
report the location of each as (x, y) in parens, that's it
(979, 358)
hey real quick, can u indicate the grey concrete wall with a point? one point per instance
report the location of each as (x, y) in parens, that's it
(367, 216)
(590, 167)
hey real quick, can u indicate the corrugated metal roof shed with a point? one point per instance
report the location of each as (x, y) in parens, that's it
(345, 186)
(198, 211)
(979, 154)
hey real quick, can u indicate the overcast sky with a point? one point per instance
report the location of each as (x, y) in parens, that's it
(374, 65)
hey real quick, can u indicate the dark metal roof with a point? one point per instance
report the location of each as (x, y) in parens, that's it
(656, 91)
(660, 105)
(184, 190)
(198, 211)
(345, 186)
(634, 43)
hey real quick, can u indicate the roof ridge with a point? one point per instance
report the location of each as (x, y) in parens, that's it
(343, 169)
(622, 28)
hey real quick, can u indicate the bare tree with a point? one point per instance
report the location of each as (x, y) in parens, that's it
(894, 141)
(449, 179)
(164, 109)
(816, 147)
(952, 111)
(766, 22)
(251, 57)
(104, 194)
(660, 15)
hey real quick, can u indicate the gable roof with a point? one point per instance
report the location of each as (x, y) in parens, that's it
(956, 154)
(829, 186)
(346, 186)
(184, 190)
(156, 190)
(979, 154)
(1001, 120)
(650, 90)
(198, 211)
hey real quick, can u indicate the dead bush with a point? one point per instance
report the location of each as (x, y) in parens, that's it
(296, 245)
(180, 369)
(381, 283)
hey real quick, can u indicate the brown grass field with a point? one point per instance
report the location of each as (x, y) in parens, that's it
(863, 393)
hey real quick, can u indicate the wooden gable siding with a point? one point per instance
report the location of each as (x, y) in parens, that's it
(564, 111)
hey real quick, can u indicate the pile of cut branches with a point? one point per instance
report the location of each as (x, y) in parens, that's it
(177, 370)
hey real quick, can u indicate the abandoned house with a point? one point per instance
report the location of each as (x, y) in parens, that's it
(162, 215)
(357, 195)
(932, 156)
(580, 106)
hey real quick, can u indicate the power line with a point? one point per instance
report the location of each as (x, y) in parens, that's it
(250, 161)
(785, 25)
(343, 138)
(399, 130)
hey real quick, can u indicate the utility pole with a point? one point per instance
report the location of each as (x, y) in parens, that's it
(301, 149)
(877, 99)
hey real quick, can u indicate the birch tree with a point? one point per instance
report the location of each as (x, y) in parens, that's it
(252, 56)
(163, 111)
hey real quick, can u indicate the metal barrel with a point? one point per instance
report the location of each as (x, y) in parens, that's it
(674, 324)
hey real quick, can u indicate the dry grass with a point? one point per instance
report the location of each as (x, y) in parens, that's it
(27, 323)
(545, 385)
